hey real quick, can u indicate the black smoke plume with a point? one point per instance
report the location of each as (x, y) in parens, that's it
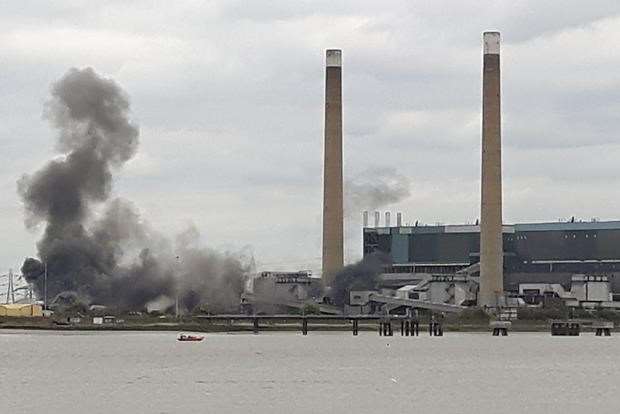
(98, 249)
(363, 275)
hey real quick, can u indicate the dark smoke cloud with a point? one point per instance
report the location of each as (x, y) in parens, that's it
(223, 286)
(110, 256)
(95, 136)
(363, 275)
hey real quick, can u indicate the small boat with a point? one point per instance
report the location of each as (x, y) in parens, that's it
(189, 338)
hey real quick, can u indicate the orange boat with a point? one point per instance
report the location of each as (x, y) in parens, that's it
(189, 338)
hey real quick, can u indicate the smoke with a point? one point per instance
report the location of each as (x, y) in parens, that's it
(99, 249)
(371, 190)
(374, 189)
(363, 275)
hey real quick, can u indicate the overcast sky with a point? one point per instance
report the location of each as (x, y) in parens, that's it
(229, 99)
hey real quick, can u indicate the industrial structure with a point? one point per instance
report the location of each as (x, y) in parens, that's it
(277, 291)
(440, 268)
(538, 259)
(488, 264)
(14, 289)
(333, 215)
(491, 268)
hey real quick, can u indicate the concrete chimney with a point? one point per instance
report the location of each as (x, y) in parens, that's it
(387, 219)
(491, 244)
(333, 216)
(377, 218)
(399, 219)
(365, 218)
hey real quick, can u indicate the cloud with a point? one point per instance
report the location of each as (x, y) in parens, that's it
(229, 96)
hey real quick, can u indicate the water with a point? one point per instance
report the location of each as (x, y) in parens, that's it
(130, 372)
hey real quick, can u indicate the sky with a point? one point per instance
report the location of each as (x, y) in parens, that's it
(229, 99)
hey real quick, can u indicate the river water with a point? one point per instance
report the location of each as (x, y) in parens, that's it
(150, 372)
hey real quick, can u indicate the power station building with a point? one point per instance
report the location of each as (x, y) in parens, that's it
(532, 253)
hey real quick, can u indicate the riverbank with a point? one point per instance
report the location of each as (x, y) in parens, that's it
(275, 326)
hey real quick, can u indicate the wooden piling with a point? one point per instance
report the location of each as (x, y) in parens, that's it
(603, 328)
(500, 328)
(565, 328)
(435, 328)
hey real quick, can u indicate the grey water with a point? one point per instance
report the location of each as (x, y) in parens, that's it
(150, 372)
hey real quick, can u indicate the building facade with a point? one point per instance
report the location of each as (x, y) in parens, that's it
(533, 253)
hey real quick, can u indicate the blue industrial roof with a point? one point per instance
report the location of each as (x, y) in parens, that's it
(508, 228)
(577, 225)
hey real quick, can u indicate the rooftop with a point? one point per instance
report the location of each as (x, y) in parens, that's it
(508, 228)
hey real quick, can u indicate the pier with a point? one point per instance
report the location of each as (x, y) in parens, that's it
(565, 328)
(409, 326)
(500, 328)
(602, 328)
(573, 327)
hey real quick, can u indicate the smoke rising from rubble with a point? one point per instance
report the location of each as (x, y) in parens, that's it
(98, 249)
(362, 275)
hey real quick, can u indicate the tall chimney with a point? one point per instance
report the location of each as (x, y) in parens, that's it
(491, 249)
(365, 218)
(333, 239)
(387, 219)
(377, 218)
(399, 219)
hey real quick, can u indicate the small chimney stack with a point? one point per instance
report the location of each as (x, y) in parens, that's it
(365, 218)
(387, 219)
(377, 218)
(399, 219)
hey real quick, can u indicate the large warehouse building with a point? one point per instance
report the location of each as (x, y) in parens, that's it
(533, 253)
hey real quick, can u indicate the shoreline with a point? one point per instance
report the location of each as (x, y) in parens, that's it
(146, 324)
(239, 328)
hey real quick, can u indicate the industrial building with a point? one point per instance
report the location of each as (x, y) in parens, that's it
(273, 290)
(490, 264)
(533, 253)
